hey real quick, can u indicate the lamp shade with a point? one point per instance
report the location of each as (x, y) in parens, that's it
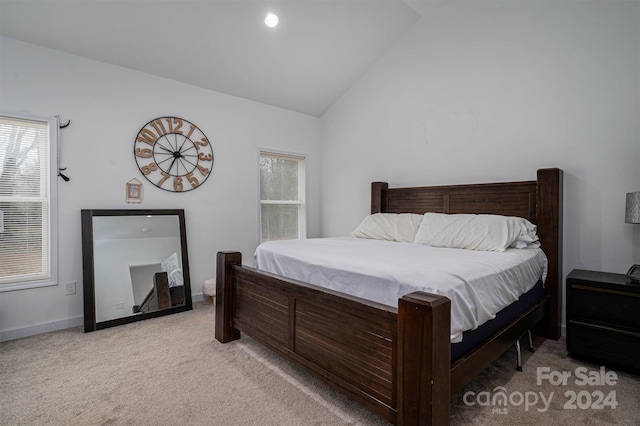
(632, 214)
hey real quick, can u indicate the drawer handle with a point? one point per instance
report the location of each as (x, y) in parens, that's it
(602, 290)
(605, 328)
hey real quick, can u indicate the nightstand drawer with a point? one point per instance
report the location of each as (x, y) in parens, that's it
(603, 343)
(604, 306)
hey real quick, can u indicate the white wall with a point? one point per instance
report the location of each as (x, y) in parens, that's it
(492, 91)
(107, 106)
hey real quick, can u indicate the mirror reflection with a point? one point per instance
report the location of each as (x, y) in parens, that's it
(138, 260)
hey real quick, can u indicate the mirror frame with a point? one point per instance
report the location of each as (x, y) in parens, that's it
(90, 323)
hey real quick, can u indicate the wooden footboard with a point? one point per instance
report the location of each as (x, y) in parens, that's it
(357, 346)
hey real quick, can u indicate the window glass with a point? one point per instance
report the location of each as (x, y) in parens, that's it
(279, 222)
(279, 178)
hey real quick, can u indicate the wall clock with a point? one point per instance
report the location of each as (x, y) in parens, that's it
(173, 154)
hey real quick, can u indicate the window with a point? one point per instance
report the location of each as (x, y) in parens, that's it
(282, 196)
(28, 239)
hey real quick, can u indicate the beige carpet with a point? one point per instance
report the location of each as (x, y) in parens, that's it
(171, 371)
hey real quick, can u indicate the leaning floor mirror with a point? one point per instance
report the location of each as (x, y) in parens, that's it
(135, 266)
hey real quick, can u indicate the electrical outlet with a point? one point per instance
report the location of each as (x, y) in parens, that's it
(70, 288)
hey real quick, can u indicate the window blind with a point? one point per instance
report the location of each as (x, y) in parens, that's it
(25, 214)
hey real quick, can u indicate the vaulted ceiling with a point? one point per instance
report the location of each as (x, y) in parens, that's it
(315, 53)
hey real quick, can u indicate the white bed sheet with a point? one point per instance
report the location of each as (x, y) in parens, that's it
(478, 283)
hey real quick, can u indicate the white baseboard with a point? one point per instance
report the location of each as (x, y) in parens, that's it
(32, 330)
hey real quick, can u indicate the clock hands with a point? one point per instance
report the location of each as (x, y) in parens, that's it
(171, 166)
(177, 156)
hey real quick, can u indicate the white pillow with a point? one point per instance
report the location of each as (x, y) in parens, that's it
(389, 226)
(527, 239)
(475, 232)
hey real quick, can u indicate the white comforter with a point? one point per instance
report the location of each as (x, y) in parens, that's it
(478, 283)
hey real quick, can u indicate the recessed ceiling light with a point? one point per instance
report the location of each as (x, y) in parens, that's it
(271, 20)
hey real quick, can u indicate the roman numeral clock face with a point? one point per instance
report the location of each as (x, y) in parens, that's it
(173, 154)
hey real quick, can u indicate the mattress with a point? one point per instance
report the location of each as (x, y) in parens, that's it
(479, 283)
(472, 338)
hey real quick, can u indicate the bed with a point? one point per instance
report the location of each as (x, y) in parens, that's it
(395, 361)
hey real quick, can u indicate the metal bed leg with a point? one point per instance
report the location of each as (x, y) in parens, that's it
(519, 353)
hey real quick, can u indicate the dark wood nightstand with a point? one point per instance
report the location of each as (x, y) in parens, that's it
(603, 317)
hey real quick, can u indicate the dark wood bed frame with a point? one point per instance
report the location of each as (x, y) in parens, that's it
(395, 362)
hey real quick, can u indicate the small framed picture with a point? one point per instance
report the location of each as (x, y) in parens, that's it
(134, 191)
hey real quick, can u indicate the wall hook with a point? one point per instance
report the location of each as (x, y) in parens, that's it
(65, 178)
(60, 169)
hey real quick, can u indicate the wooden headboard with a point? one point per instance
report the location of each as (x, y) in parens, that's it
(539, 201)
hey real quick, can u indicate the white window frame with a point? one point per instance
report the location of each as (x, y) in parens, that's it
(302, 190)
(52, 195)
